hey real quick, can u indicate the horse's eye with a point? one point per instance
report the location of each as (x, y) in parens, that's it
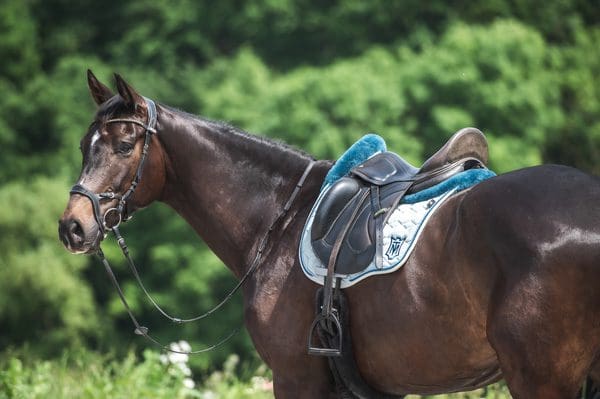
(125, 148)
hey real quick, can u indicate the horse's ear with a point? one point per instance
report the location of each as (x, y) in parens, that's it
(100, 93)
(131, 98)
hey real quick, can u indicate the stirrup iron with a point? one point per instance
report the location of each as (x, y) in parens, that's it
(332, 323)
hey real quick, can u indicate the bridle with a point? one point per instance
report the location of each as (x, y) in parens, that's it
(116, 214)
(121, 214)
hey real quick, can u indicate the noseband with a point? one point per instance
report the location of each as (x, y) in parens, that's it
(113, 216)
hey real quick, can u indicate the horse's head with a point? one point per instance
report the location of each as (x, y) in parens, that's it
(116, 177)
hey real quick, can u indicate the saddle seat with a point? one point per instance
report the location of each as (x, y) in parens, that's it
(353, 211)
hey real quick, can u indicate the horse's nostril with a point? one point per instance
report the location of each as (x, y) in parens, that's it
(75, 230)
(71, 233)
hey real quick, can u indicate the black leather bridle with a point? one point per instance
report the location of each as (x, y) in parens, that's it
(120, 213)
(113, 216)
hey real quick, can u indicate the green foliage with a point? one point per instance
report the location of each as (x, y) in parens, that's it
(227, 384)
(83, 374)
(502, 78)
(492, 77)
(576, 141)
(167, 35)
(19, 38)
(43, 297)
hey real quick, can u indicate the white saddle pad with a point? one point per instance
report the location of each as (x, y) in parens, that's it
(400, 234)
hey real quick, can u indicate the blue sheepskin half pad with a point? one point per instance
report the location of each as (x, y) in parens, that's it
(369, 145)
(458, 182)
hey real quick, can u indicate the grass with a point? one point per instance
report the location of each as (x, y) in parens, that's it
(85, 374)
(495, 391)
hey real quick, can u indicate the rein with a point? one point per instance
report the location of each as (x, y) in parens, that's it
(120, 214)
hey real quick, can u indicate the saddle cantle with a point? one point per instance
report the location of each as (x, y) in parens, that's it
(466, 149)
(353, 211)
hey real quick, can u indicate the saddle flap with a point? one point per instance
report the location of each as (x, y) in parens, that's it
(384, 168)
(346, 209)
(338, 197)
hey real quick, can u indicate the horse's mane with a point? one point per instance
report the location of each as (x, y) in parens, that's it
(229, 129)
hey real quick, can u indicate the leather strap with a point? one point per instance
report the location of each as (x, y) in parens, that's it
(328, 283)
(79, 189)
(378, 218)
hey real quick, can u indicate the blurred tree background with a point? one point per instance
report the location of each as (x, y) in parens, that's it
(316, 74)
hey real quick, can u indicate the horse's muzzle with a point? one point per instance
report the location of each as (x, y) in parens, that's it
(73, 236)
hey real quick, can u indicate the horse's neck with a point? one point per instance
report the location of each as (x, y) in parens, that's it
(227, 185)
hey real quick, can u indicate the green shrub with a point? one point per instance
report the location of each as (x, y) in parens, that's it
(83, 374)
(87, 375)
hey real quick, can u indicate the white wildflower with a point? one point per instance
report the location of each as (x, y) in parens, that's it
(209, 395)
(189, 383)
(185, 370)
(185, 346)
(179, 362)
(177, 358)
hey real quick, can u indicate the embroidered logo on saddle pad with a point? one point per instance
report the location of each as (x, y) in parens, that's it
(400, 234)
(393, 250)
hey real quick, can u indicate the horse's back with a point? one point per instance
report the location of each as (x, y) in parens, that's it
(542, 194)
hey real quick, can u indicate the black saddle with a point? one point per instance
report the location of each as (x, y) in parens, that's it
(346, 233)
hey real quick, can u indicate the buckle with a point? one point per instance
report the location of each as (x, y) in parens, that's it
(112, 218)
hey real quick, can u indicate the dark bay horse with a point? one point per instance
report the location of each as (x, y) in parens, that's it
(503, 284)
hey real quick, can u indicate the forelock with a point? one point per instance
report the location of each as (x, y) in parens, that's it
(111, 108)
